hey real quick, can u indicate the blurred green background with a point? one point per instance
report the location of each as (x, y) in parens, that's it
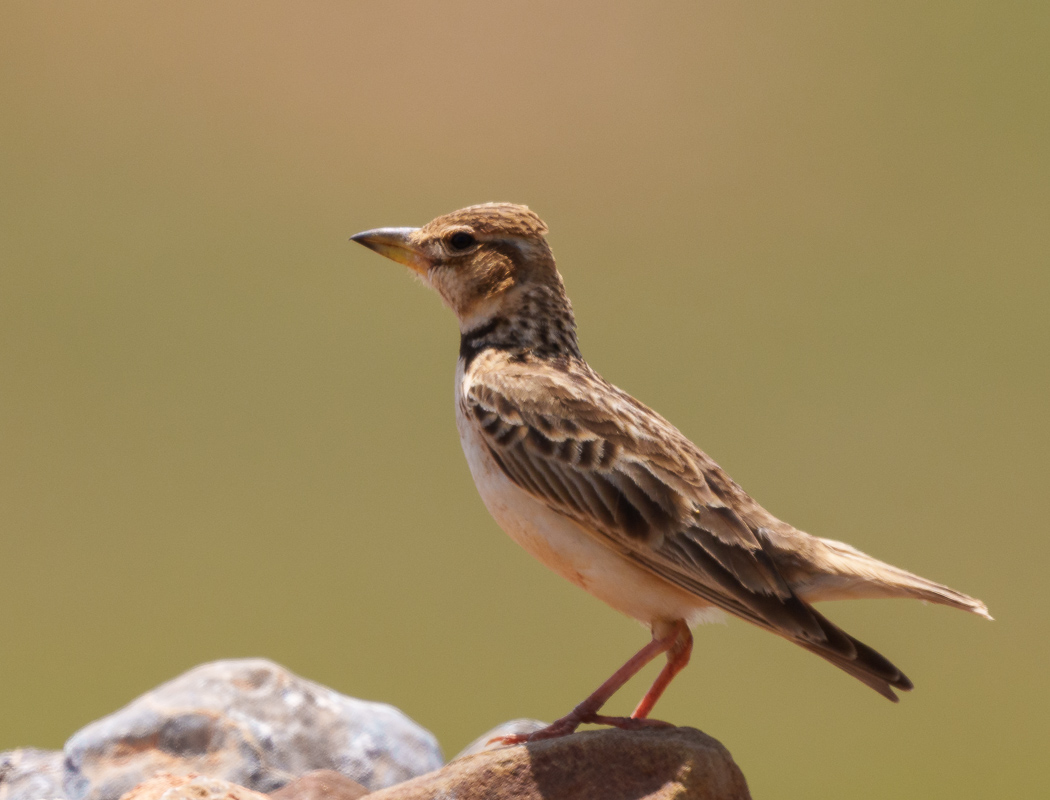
(815, 236)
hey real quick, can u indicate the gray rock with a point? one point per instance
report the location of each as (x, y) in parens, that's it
(250, 722)
(31, 774)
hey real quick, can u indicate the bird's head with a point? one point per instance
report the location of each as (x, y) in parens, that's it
(482, 260)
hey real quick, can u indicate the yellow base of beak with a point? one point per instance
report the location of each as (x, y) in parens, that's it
(397, 244)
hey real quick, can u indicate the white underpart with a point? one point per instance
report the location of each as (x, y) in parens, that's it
(566, 547)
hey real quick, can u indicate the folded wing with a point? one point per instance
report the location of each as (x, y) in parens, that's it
(628, 477)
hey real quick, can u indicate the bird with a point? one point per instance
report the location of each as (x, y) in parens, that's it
(609, 494)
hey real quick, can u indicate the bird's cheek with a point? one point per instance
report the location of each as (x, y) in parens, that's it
(437, 279)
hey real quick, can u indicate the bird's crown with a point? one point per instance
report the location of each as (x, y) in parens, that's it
(491, 219)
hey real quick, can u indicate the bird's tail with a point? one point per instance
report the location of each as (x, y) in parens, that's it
(847, 573)
(854, 657)
(823, 569)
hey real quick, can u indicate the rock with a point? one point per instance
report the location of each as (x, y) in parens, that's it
(511, 728)
(653, 764)
(31, 774)
(321, 784)
(250, 722)
(190, 787)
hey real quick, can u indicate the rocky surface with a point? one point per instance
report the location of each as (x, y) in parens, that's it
(250, 722)
(31, 774)
(654, 764)
(321, 784)
(251, 730)
(190, 787)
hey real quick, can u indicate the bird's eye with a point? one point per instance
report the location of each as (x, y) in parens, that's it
(461, 240)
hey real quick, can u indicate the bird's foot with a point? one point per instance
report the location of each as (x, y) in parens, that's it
(560, 727)
(569, 723)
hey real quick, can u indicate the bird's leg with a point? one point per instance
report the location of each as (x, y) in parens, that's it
(587, 711)
(677, 657)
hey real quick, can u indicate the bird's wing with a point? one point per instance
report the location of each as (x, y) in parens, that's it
(593, 453)
(596, 455)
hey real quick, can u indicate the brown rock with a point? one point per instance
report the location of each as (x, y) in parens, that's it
(321, 784)
(656, 764)
(190, 787)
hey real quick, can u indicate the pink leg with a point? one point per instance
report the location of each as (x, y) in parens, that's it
(677, 657)
(587, 711)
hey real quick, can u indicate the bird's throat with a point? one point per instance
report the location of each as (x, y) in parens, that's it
(539, 325)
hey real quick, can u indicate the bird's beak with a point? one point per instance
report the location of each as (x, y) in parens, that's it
(397, 244)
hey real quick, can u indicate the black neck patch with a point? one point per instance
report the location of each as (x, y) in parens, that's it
(473, 342)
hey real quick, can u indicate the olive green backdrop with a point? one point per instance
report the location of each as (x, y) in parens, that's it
(815, 236)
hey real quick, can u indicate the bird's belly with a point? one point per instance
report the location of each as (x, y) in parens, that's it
(569, 550)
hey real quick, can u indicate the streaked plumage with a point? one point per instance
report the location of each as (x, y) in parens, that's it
(603, 489)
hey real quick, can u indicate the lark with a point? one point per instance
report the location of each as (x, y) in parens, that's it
(605, 491)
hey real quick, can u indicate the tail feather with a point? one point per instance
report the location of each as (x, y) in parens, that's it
(859, 671)
(846, 573)
(864, 663)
